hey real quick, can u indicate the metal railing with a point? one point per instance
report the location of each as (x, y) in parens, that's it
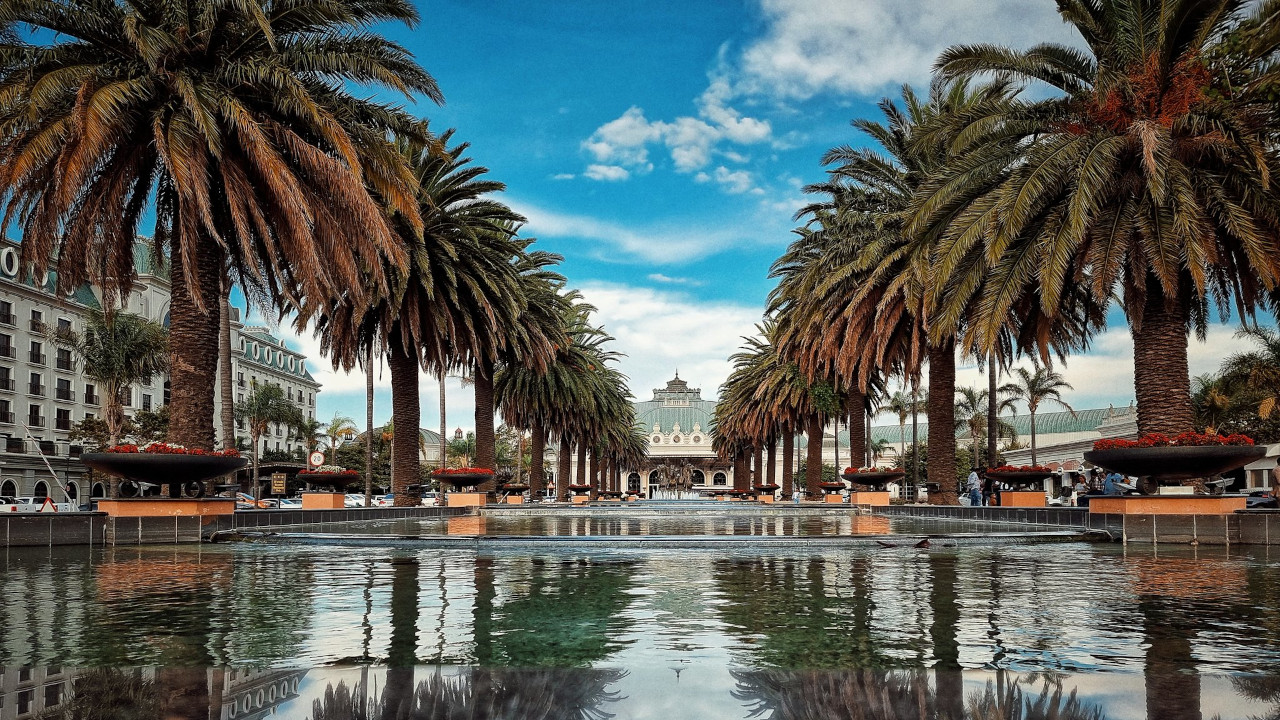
(90, 399)
(37, 358)
(35, 420)
(34, 389)
(64, 394)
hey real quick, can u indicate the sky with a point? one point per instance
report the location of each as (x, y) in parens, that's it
(662, 149)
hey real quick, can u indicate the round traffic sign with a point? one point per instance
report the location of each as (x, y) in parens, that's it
(316, 458)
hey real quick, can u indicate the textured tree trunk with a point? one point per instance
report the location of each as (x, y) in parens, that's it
(368, 425)
(444, 427)
(741, 473)
(1161, 380)
(915, 437)
(771, 463)
(813, 457)
(405, 416)
(580, 472)
(537, 448)
(788, 462)
(193, 348)
(486, 440)
(993, 377)
(942, 413)
(562, 472)
(1033, 437)
(225, 371)
(858, 426)
(757, 460)
(594, 470)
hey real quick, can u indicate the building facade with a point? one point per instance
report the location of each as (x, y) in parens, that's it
(43, 389)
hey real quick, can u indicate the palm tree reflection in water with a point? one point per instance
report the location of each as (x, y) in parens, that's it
(902, 695)
(542, 694)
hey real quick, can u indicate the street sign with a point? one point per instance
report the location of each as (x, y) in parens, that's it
(277, 483)
(316, 458)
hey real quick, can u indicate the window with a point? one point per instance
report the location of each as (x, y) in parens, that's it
(90, 394)
(34, 416)
(240, 379)
(6, 346)
(62, 420)
(37, 352)
(64, 359)
(146, 379)
(63, 390)
(6, 412)
(6, 379)
(698, 478)
(64, 325)
(719, 479)
(146, 402)
(52, 694)
(36, 385)
(6, 313)
(37, 320)
(239, 397)
(24, 701)
(89, 416)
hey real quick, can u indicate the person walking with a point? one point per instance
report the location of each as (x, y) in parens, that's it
(974, 486)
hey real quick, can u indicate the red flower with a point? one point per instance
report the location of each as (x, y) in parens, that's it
(1186, 439)
(463, 471)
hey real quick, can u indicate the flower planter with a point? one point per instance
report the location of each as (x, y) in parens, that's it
(580, 489)
(1019, 478)
(831, 487)
(185, 472)
(335, 480)
(767, 488)
(462, 480)
(1171, 464)
(877, 479)
(514, 488)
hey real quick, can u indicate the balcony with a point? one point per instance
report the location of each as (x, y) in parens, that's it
(8, 319)
(35, 389)
(8, 384)
(8, 351)
(66, 364)
(15, 445)
(75, 451)
(62, 423)
(48, 448)
(38, 326)
(241, 384)
(91, 399)
(35, 420)
(37, 358)
(6, 418)
(65, 394)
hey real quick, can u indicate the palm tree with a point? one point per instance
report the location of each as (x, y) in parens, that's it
(339, 429)
(1257, 370)
(972, 407)
(1036, 387)
(236, 126)
(900, 404)
(310, 432)
(1148, 171)
(120, 349)
(1211, 397)
(264, 406)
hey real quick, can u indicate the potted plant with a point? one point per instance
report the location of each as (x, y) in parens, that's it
(873, 476)
(333, 475)
(577, 489)
(1020, 475)
(160, 463)
(463, 477)
(1169, 460)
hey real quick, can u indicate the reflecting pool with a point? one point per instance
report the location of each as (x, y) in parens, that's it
(1069, 630)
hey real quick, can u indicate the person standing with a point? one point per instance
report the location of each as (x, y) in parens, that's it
(974, 486)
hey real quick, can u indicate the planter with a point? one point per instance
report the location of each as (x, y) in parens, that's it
(184, 472)
(831, 487)
(336, 480)
(876, 479)
(579, 489)
(462, 480)
(767, 488)
(1171, 464)
(1019, 478)
(514, 488)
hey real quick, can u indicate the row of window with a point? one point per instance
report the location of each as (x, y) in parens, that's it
(36, 324)
(64, 391)
(264, 354)
(309, 400)
(36, 354)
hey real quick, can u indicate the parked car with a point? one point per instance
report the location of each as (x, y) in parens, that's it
(431, 499)
(1261, 499)
(292, 503)
(353, 500)
(249, 502)
(384, 500)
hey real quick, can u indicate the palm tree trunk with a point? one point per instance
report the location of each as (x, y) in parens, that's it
(486, 440)
(1161, 380)
(444, 442)
(537, 448)
(942, 413)
(257, 494)
(224, 364)
(788, 462)
(580, 473)
(757, 458)
(594, 470)
(858, 426)
(1033, 437)
(406, 416)
(193, 347)
(368, 422)
(993, 404)
(915, 434)
(902, 441)
(771, 463)
(741, 473)
(562, 473)
(813, 456)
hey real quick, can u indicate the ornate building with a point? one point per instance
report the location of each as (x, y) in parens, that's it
(678, 423)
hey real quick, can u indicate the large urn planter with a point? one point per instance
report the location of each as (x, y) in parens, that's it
(337, 481)
(1170, 465)
(874, 478)
(462, 480)
(183, 473)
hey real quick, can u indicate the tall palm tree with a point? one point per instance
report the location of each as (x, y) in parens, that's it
(309, 432)
(900, 404)
(1148, 170)
(264, 406)
(1036, 387)
(118, 350)
(972, 407)
(1257, 370)
(236, 126)
(1211, 397)
(338, 430)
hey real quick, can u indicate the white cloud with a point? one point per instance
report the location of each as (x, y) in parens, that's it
(609, 173)
(563, 176)
(872, 46)
(734, 182)
(668, 280)
(662, 331)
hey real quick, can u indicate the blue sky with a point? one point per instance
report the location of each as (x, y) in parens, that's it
(661, 148)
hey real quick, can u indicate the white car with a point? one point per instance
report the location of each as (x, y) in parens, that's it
(290, 503)
(353, 500)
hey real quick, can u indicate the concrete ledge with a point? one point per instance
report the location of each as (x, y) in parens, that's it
(49, 529)
(167, 507)
(1022, 498)
(1167, 504)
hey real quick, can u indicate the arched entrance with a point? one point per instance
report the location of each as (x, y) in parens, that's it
(41, 491)
(8, 488)
(698, 477)
(98, 491)
(633, 483)
(73, 491)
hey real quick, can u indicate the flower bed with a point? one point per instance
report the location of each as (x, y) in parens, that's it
(1168, 460)
(162, 448)
(463, 477)
(1020, 475)
(874, 477)
(1023, 469)
(329, 470)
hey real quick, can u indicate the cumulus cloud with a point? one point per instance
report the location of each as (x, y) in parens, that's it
(668, 280)
(563, 176)
(872, 46)
(610, 173)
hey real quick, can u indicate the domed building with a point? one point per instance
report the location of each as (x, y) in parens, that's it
(678, 421)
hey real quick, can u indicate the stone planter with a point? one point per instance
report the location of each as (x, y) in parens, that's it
(1019, 478)
(182, 473)
(462, 480)
(580, 489)
(1170, 465)
(337, 481)
(877, 479)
